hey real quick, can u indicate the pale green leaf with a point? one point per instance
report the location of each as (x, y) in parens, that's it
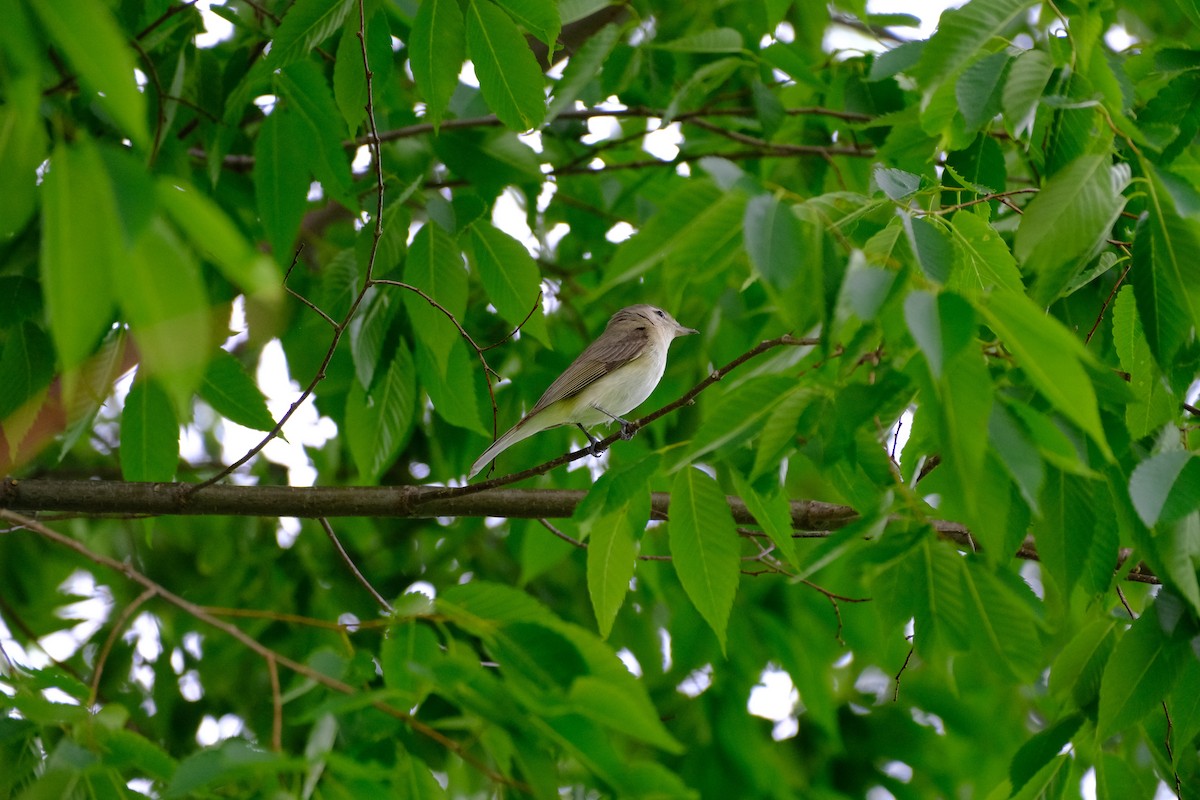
(539, 17)
(233, 394)
(1027, 79)
(509, 76)
(437, 48)
(962, 33)
(308, 97)
(931, 247)
(713, 40)
(81, 242)
(773, 514)
(97, 50)
(773, 240)
(982, 260)
(23, 146)
(511, 278)
(162, 296)
(704, 547)
(738, 415)
(1140, 673)
(942, 326)
(212, 232)
(611, 557)
(367, 331)
(978, 89)
(1051, 357)
(1166, 487)
(896, 183)
(149, 434)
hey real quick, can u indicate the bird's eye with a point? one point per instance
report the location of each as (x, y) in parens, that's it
(659, 311)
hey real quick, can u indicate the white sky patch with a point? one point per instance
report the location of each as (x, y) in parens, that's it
(630, 661)
(1119, 39)
(775, 698)
(508, 214)
(362, 160)
(663, 142)
(216, 29)
(467, 75)
(266, 103)
(619, 232)
(697, 682)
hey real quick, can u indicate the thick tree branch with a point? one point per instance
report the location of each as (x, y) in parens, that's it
(161, 499)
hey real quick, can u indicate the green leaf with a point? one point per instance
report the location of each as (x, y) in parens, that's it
(1077, 669)
(367, 331)
(943, 326)
(1041, 749)
(1018, 454)
(511, 278)
(308, 98)
(225, 763)
(97, 51)
(539, 17)
(582, 68)
(773, 240)
(613, 708)
(306, 25)
(1153, 407)
(451, 387)
(81, 241)
(163, 298)
(1140, 673)
(435, 266)
(437, 49)
(27, 364)
(149, 434)
(211, 231)
(739, 413)
(379, 422)
(23, 146)
(405, 658)
(1166, 487)
(713, 40)
(1027, 79)
(349, 80)
(1051, 357)
(896, 183)
(1163, 274)
(979, 88)
(982, 260)
(233, 393)
(931, 246)
(962, 33)
(704, 547)
(773, 514)
(1069, 219)
(280, 188)
(611, 557)
(1066, 528)
(509, 76)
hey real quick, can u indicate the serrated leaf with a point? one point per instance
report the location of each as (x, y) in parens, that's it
(739, 413)
(962, 33)
(81, 242)
(367, 331)
(280, 188)
(1017, 453)
(539, 17)
(773, 240)
(1051, 357)
(511, 278)
(897, 184)
(97, 50)
(982, 260)
(773, 514)
(379, 422)
(704, 547)
(611, 557)
(306, 25)
(437, 49)
(309, 99)
(435, 266)
(931, 246)
(582, 68)
(1163, 275)
(1069, 219)
(233, 394)
(162, 296)
(1166, 487)
(979, 88)
(509, 76)
(149, 434)
(210, 230)
(1140, 673)
(1153, 407)
(27, 364)
(1027, 79)
(899, 59)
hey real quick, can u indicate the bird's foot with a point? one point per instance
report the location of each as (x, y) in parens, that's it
(628, 429)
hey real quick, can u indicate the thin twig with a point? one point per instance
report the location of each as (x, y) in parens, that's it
(349, 562)
(117, 628)
(276, 706)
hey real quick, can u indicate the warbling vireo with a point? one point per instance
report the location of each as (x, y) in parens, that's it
(613, 376)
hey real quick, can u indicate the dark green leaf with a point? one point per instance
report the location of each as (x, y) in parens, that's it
(931, 246)
(233, 393)
(379, 422)
(773, 239)
(511, 278)
(306, 25)
(1139, 674)
(437, 48)
(280, 187)
(509, 76)
(704, 547)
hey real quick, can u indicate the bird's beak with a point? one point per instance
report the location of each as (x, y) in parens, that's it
(682, 331)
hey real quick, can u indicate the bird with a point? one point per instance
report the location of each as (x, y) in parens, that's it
(612, 376)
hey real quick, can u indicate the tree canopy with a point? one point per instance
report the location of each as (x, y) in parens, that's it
(917, 514)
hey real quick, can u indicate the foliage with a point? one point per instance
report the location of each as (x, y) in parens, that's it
(990, 236)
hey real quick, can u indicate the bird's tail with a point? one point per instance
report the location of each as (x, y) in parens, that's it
(514, 434)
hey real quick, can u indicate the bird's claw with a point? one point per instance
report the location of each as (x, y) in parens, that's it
(628, 429)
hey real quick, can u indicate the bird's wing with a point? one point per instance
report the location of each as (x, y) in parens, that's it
(600, 358)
